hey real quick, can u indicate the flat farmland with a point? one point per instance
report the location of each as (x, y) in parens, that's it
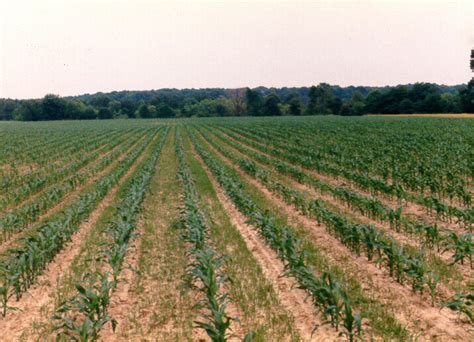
(255, 229)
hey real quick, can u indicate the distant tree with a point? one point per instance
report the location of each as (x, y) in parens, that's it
(419, 91)
(416, 98)
(271, 106)
(164, 111)
(392, 99)
(53, 108)
(104, 113)
(354, 106)
(221, 108)
(313, 101)
(146, 111)
(467, 98)
(406, 106)
(335, 105)
(152, 110)
(115, 107)
(373, 102)
(426, 98)
(189, 108)
(100, 101)
(451, 103)
(432, 103)
(295, 105)
(128, 108)
(7, 107)
(88, 114)
(320, 100)
(472, 60)
(74, 110)
(284, 108)
(254, 102)
(206, 107)
(30, 110)
(237, 102)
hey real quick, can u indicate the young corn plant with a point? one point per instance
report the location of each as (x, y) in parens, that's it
(463, 247)
(462, 303)
(206, 268)
(82, 317)
(22, 265)
(357, 237)
(327, 295)
(432, 281)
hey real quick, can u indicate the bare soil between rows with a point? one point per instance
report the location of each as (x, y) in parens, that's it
(41, 296)
(293, 299)
(411, 310)
(409, 208)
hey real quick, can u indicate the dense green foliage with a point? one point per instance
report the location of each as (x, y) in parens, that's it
(316, 100)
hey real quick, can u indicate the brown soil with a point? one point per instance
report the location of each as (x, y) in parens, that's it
(465, 270)
(411, 310)
(294, 300)
(152, 305)
(43, 190)
(13, 240)
(20, 169)
(122, 298)
(410, 209)
(40, 297)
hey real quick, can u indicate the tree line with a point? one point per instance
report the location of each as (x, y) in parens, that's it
(322, 99)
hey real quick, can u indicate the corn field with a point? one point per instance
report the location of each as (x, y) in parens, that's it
(237, 229)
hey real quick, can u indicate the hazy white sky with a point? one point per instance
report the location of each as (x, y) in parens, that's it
(71, 47)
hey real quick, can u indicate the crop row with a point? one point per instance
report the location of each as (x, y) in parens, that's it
(434, 168)
(400, 262)
(32, 143)
(20, 266)
(53, 158)
(461, 245)
(18, 218)
(39, 149)
(82, 316)
(206, 265)
(310, 159)
(326, 293)
(32, 183)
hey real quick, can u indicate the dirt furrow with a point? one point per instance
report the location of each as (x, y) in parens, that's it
(413, 311)
(341, 206)
(40, 297)
(122, 300)
(293, 299)
(153, 305)
(10, 243)
(409, 208)
(47, 187)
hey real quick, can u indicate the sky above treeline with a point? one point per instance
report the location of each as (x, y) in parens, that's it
(73, 47)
